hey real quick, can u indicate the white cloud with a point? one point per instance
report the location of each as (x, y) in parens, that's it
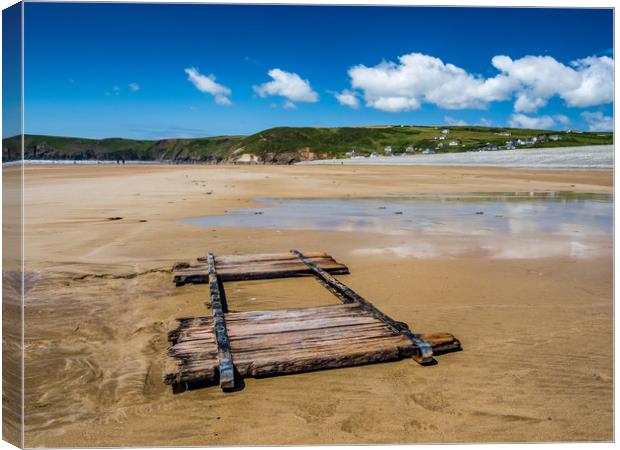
(532, 80)
(455, 122)
(135, 87)
(208, 85)
(538, 123)
(484, 122)
(418, 79)
(561, 119)
(348, 98)
(288, 85)
(597, 82)
(289, 105)
(538, 78)
(597, 121)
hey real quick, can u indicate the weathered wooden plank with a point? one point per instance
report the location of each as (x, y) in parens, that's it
(325, 360)
(224, 357)
(254, 267)
(199, 340)
(344, 346)
(202, 366)
(250, 258)
(293, 350)
(199, 275)
(286, 341)
(319, 311)
(269, 263)
(425, 351)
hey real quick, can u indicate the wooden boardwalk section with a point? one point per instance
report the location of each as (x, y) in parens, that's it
(226, 346)
(255, 267)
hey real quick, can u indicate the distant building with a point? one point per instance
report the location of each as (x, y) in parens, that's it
(374, 155)
(428, 151)
(409, 149)
(526, 141)
(387, 150)
(504, 133)
(554, 137)
(445, 131)
(454, 143)
(441, 138)
(486, 148)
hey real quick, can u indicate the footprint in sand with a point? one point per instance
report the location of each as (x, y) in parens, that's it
(359, 424)
(432, 401)
(414, 425)
(317, 411)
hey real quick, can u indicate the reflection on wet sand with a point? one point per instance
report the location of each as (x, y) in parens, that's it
(497, 225)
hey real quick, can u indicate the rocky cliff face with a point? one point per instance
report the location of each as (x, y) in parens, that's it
(173, 150)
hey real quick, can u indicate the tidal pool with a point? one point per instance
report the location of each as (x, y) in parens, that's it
(503, 225)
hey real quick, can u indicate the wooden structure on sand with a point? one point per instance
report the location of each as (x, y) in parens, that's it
(226, 346)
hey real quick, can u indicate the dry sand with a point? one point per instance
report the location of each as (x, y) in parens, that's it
(537, 333)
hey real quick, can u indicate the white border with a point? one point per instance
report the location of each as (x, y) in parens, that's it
(479, 3)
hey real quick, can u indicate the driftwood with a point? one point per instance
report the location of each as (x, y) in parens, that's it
(224, 357)
(424, 353)
(294, 340)
(263, 343)
(254, 267)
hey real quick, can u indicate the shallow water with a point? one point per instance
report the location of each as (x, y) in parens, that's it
(503, 225)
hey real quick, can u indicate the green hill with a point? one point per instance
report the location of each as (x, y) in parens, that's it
(286, 145)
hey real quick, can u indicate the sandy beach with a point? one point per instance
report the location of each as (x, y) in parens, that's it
(537, 332)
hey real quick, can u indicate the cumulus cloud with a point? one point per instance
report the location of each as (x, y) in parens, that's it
(484, 122)
(531, 81)
(288, 85)
(562, 119)
(586, 82)
(135, 87)
(348, 98)
(455, 122)
(597, 82)
(538, 123)
(417, 79)
(208, 85)
(289, 105)
(597, 121)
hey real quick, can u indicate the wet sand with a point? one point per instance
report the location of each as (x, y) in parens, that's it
(537, 333)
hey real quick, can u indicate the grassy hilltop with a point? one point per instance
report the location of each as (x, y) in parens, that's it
(285, 145)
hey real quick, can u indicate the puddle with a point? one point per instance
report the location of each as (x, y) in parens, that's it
(502, 225)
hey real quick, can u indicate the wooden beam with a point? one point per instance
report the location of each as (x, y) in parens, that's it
(291, 341)
(224, 356)
(254, 267)
(347, 295)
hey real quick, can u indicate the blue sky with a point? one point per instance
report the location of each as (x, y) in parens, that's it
(154, 71)
(11, 72)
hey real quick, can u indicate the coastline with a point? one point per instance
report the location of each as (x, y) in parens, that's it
(599, 157)
(101, 301)
(591, 157)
